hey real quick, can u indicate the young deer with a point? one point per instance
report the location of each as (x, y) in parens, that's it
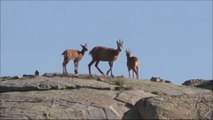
(132, 64)
(74, 55)
(101, 53)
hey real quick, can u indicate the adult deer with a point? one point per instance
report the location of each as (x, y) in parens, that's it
(101, 53)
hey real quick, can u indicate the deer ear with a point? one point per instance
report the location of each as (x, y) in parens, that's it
(81, 45)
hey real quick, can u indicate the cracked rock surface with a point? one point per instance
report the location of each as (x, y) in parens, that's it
(179, 107)
(56, 96)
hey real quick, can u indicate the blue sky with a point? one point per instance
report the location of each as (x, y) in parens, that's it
(172, 39)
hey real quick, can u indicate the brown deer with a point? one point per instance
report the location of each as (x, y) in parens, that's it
(132, 64)
(101, 53)
(74, 55)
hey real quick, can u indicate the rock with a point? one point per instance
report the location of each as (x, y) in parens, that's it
(36, 73)
(48, 83)
(156, 79)
(52, 74)
(132, 96)
(129, 98)
(194, 82)
(28, 76)
(209, 115)
(167, 81)
(8, 78)
(100, 79)
(196, 106)
(54, 104)
(55, 96)
(206, 84)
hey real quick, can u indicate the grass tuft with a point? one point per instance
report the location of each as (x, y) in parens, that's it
(122, 85)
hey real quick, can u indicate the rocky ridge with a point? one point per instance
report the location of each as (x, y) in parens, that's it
(54, 96)
(200, 83)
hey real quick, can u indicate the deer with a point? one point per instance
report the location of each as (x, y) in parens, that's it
(101, 53)
(132, 64)
(75, 55)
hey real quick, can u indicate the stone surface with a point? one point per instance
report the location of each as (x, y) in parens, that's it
(48, 83)
(164, 88)
(206, 84)
(196, 106)
(194, 82)
(59, 104)
(132, 96)
(55, 96)
(158, 79)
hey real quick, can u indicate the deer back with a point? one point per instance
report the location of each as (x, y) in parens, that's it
(104, 54)
(132, 62)
(72, 54)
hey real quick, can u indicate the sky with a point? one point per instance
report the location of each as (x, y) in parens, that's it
(172, 39)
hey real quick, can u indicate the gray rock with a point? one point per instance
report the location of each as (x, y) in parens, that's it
(36, 73)
(59, 104)
(8, 78)
(194, 106)
(52, 74)
(55, 96)
(132, 96)
(194, 82)
(206, 84)
(167, 81)
(156, 79)
(48, 83)
(100, 79)
(28, 76)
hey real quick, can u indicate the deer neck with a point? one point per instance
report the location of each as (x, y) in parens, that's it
(128, 57)
(82, 52)
(116, 52)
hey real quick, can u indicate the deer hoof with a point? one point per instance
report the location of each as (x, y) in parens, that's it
(112, 75)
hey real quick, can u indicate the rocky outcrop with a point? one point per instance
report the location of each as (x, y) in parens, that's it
(194, 82)
(177, 107)
(51, 83)
(158, 79)
(54, 96)
(206, 84)
(57, 104)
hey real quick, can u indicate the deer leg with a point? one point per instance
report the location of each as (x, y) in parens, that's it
(133, 74)
(64, 67)
(129, 72)
(96, 65)
(110, 69)
(135, 71)
(76, 67)
(89, 66)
